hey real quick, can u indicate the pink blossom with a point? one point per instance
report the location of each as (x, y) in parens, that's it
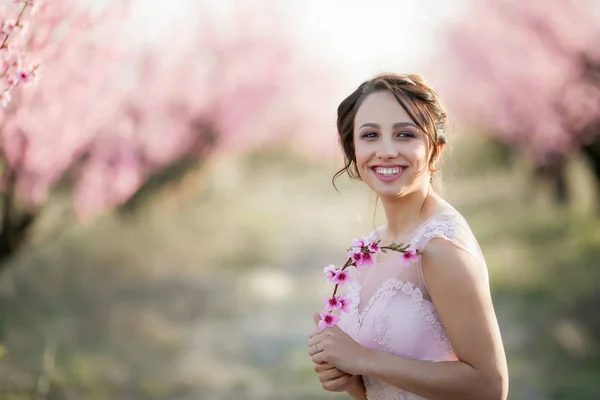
(24, 76)
(358, 243)
(328, 320)
(8, 27)
(10, 81)
(561, 99)
(332, 303)
(354, 250)
(356, 257)
(16, 47)
(342, 277)
(367, 259)
(374, 247)
(345, 303)
(409, 256)
(330, 273)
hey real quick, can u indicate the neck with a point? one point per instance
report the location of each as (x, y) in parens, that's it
(405, 213)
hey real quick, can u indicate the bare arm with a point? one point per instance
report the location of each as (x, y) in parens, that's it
(460, 292)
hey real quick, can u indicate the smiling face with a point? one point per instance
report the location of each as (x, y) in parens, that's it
(392, 153)
(391, 128)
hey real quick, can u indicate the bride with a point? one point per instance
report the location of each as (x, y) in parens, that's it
(427, 330)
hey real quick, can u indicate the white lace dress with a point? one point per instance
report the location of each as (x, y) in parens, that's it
(391, 309)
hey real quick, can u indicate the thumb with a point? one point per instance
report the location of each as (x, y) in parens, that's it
(316, 318)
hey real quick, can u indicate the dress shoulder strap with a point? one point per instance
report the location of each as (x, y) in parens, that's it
(453, 227)
(445, 225)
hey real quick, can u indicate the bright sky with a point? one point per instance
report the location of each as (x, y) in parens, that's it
(363, 36)
(371, 36)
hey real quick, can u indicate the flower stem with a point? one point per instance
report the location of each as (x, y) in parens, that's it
(348, 263)
(16, 24)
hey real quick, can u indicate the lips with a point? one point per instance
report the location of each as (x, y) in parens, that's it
(388, 166)
(388, 173)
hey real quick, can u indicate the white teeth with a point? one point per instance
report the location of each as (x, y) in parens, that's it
(388, 171)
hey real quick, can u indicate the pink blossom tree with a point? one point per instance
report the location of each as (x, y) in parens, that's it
(111, 120)
(528, 72)
(15, 59)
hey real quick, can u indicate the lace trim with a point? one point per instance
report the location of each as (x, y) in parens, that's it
(384, 343)
(444, 225)
(435, 326)
(353, 295)
(379, 390)
(389, 289)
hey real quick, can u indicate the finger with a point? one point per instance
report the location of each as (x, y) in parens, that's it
(314, 340)
(316, 318)
(337, 385)
(319, 348)
(323, 367)
(319, 358)
(330, 374)
(315, 333)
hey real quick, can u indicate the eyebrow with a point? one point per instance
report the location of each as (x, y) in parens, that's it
(395, 126)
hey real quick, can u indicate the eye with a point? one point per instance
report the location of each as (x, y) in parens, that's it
(406, 134)
(369, 135)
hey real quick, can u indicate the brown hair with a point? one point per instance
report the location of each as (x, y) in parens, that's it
(419, 100)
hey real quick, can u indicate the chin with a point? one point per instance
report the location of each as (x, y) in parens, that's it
(391, 192)
(394, 191)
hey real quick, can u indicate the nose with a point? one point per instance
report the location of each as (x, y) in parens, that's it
(387, 150)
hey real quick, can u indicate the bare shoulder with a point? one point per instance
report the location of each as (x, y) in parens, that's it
(443, 258)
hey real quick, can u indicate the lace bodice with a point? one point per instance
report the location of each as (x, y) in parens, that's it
(391, 310)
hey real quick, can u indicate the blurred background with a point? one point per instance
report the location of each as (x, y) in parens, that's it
(167, 208)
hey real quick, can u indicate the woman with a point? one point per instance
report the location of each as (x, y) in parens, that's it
(429, 330)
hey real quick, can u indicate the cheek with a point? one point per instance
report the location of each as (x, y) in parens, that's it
(416, 153)
(361, 153)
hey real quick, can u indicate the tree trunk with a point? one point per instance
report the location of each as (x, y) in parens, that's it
(554, 171)
(592, 152)
(204, 142)
(16, 225)
(13, 236)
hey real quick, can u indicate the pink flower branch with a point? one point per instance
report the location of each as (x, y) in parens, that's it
(361, 254)
(12, 53)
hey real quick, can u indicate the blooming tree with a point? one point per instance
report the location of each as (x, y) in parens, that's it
(529, 73)
(110, 118)
(17, 65)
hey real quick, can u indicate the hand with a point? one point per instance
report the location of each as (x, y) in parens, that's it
(331, 378)
(336, 348)
(334, 380)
